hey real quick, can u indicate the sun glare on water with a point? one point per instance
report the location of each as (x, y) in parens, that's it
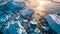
(42, 5)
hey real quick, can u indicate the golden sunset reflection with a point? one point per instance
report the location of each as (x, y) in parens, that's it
(41, 7)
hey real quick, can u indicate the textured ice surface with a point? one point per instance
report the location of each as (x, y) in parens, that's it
(14, 28)
(54, 21)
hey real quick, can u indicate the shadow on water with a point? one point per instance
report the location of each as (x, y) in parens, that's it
(1, 32)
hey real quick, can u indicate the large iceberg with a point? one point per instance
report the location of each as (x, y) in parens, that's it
(54, 22)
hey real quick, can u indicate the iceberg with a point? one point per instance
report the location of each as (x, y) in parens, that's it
(54, 22)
